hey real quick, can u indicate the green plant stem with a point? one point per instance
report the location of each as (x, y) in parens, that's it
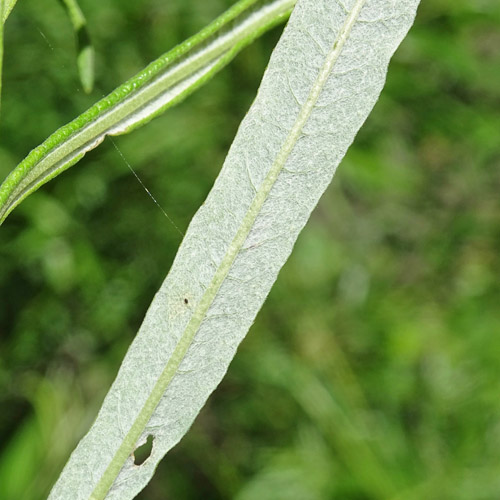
(163, 83)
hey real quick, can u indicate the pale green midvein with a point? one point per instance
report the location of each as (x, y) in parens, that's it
(130, 440)
(137, 102)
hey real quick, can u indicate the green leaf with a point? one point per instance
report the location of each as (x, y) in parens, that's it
(7, 6)
(323, 79)
(85, 49)
(159, 86)
(2, 10)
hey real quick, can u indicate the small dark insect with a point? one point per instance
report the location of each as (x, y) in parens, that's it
(186, 301)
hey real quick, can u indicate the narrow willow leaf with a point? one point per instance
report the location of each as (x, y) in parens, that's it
(6, 8)
(2, 10)
(159, 86)
(322, 81)
(85, 50)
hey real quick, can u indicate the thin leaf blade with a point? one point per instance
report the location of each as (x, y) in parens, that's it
(323, 80)
(159, 86)
(6, 9)
(85, 49)
(2, 11)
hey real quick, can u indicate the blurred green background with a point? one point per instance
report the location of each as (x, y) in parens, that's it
(373, 370)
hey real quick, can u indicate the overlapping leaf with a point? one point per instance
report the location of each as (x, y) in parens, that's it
(159, 86)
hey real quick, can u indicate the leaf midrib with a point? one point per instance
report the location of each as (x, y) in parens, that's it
(170, 370)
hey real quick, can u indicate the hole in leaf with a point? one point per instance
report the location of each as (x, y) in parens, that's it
(143, 452)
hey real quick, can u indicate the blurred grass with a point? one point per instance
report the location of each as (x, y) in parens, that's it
(373, 369)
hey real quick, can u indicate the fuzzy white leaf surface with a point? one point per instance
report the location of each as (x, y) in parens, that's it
(323, 79)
